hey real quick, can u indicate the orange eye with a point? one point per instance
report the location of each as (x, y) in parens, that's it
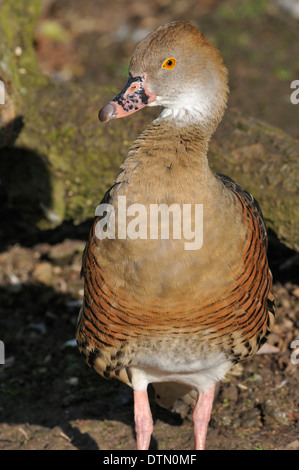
(169, 63)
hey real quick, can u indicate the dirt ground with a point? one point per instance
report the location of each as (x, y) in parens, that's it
(49, 398)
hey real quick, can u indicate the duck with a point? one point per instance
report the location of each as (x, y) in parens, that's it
(161, 307)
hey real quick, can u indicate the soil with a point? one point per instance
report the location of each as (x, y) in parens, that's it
(49, 398)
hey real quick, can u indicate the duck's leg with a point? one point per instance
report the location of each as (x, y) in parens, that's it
(143, 419)
(201, 416)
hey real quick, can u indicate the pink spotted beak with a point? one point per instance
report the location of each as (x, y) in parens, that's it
(133, 97)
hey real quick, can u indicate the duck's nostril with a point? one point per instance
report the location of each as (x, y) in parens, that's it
(106, 113)
(133, 88)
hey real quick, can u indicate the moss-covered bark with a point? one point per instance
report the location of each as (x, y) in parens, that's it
(57, 160)
(18, 65)
(265, 161)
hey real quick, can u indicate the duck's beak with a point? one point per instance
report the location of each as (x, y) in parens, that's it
(133, 97)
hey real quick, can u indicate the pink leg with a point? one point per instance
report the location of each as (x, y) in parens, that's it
(201, 417)
(143, 419)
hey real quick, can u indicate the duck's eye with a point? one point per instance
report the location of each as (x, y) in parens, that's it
(169, 63)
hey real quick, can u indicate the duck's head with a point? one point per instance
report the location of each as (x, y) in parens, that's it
(177, 68)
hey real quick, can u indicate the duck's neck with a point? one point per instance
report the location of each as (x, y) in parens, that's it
(165, 163)
(165, 140)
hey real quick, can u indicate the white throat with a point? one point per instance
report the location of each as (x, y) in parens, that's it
(185, 115)
(195, 107)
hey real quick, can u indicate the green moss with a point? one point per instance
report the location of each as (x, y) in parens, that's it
(283, 73)
(17, 22)
(236, 10)
(53, 30)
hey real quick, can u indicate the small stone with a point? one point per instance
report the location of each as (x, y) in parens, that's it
(255, 378)
(294, 445)
(230, 393)
(40, 327)
(43, 273)
(273, 414)
(65, 251)
(57, 269)
(295, 292)
(70, 343)
(251, 418)
(285, 303)
(221, 420)
(18, 51)
(242, 387)
(72, 381)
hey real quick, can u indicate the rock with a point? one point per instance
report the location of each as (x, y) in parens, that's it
(65, 251)
(42, 249)
(43, 272)
(290, 6)
(296, 292)
(40, 327)
(230, 393)
(273, 414)
(294, 445)
(72, 381)
(221, 420)
(251, 418)
(16, 263)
